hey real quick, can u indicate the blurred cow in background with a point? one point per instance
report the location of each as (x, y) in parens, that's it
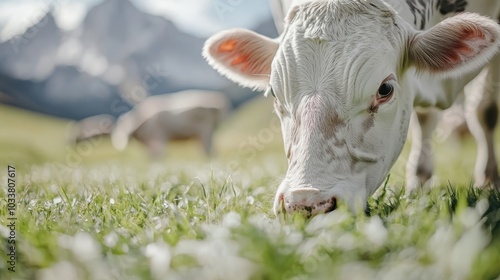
(160, 119)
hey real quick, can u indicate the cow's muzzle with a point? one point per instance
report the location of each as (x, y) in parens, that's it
(308, 201)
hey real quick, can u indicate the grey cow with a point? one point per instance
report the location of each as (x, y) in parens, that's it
(159, 119)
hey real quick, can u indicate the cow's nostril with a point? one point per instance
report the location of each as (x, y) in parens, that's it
(307, 207)
(332, 206)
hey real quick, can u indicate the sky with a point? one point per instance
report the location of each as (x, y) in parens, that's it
(198, 17)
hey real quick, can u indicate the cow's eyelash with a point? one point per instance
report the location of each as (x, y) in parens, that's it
(268, 91)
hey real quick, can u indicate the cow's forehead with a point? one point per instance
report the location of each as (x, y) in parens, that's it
(336, 19)
(326, 50)
(346, 72)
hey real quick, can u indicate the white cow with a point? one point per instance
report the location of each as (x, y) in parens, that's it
(177, 116)
(347, 74)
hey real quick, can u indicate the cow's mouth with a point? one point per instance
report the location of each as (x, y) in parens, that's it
(307, 209)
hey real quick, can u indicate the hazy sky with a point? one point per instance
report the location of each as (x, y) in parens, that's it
(199, 17)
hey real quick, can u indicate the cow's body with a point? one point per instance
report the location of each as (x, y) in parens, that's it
(160, 119)
(345, 76)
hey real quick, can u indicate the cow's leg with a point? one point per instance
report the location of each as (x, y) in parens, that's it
(420, 164)
(206, 138)
(452, 122)
(156, 148)
(482, 118)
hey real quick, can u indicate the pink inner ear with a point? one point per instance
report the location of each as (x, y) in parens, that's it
(471, 33)
(471, 42)
(241, 60)
(238, 53)
(242, 56)
(235, 53)
(238, 59)
(227, 46)
(455, 46)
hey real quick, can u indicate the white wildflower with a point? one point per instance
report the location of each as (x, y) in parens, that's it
(250, 200)
(85, 247)
(217, 255)
(440, 243)
(482, 206)
(465, 251)
(62, 270)
(375, 231)
(469, 217)
(346, 242)
(322, 222)
(111, 239)
(356, 270)
(57, 200)
(159, 259)
(231, 220)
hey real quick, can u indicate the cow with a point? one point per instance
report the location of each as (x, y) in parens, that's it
(160, 119)
(346, 76)
(176, 116)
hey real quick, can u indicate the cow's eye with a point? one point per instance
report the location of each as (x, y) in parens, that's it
(385, 90)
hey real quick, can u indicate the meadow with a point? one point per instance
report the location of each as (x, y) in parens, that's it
(90, 212)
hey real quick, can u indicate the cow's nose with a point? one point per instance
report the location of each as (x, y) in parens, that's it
(309, 201)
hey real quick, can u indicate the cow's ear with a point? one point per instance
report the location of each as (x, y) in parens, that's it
(456, 46)
(241, 55)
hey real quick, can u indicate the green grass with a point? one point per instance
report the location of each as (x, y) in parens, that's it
(100, 214)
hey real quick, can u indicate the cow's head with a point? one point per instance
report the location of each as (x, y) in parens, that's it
(340, 75)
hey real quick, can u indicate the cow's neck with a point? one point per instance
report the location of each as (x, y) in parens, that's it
(422, 11)
(423, 14)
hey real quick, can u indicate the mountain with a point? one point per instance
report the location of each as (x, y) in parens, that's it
(119, 55)
(32, 55)
(267, 28)
(66, 93)
(117, 29)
